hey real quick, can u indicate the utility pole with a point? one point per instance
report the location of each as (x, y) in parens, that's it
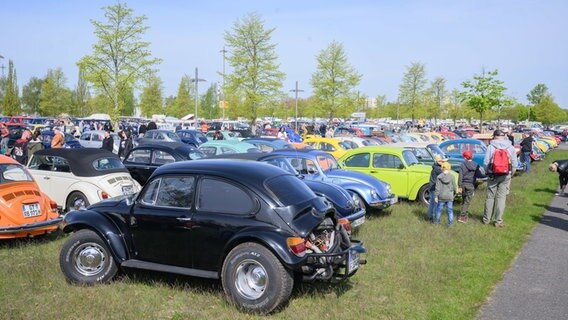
(223, 87)
(2, 67)
(296, 90)
(196, 80)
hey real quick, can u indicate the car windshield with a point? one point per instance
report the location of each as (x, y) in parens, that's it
(327, 162)
(289, 190)
(422, 154)
(103, 164)
(172, 136)
(196, 154)
(409, 157)
(13, 173)
(435, 149)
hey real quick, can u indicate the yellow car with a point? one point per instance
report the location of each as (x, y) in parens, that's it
(550, 140)
(330, 145)
(397, 166)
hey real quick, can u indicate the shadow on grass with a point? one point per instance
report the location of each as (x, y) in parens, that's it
(551, 209)
(552, 221)
(35, 241)
(545, 190)
(321, 289)
(373, 214)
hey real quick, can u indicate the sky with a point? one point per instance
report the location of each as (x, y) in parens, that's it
(524, 40)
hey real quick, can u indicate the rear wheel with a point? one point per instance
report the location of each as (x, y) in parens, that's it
(85, 259)
(424, 194)
(76, 200)
(255, 280)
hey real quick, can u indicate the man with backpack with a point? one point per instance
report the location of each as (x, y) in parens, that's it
(500, 162)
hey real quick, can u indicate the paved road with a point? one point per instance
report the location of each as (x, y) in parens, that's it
(536, 286)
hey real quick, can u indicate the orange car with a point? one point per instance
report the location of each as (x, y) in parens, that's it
(25, 211)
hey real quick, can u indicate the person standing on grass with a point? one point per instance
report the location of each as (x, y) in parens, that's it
(445, 193)
(526, 150)
(500, 162)
(560, 166)
(469, 170)
(436, 170)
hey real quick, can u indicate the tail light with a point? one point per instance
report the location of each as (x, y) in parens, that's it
(297, 245)
(345, 223)
(53, 205)
(104, 195)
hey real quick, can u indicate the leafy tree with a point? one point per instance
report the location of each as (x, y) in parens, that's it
(483, 93)
(183, 102)
(127, 102)
(537, 93)
(437, 93)
(120, 58)
(548, 112)
(81, 96)
(31, 95)
(256, 76)
(412, 87)
(11, 103)
(334, 81)
(151, 101)
(209, 103)
(55, 97)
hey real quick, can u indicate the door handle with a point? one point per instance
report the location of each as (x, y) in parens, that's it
(46, 178)
(373, 171)
(183, 219)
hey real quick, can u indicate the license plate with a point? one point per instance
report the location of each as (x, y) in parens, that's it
(353, 261)
(128, 189)
(31, 210)
(358, 222)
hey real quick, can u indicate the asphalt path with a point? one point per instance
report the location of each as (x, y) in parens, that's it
(536, 285)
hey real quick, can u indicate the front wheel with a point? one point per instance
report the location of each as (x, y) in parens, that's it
(85, 259)
(77, 201)
(255, 280)
(424, 194)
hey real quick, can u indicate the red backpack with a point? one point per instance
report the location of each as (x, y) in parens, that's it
(501, 162)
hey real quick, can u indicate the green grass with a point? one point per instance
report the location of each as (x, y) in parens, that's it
(415, 271)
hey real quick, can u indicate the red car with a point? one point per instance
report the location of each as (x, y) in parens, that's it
(25, 211)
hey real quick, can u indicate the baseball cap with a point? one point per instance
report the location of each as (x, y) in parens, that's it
(467, 154)
(438, 158)
(498, 133)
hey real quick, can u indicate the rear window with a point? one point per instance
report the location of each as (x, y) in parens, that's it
(103, 164)
(13, 173)
(289, 190)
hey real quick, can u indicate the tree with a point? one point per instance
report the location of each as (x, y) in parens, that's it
(412, 87)
(438, 94)
(11, 102)
(120, 59)
(537, 93)
(183, 102)
(483, 93)
(151, 101)
(548, 112)
(209, 102)
(256, 76)
(81, 96)
(55, 97)
(334, 81)
(31, 93)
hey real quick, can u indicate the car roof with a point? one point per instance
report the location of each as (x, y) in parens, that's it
(240, 170)
(4, 160)
(80, 160)
(166, 145)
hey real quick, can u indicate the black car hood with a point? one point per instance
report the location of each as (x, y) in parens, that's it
(304, 217)
(114, 203)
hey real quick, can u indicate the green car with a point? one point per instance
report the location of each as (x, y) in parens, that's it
(217, 147)
(396, 166)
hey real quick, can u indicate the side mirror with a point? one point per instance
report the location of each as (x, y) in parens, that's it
(401, 166)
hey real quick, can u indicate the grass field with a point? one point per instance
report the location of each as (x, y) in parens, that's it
(415, 271)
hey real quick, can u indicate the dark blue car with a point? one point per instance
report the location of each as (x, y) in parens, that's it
(192, 137)
(47, 135)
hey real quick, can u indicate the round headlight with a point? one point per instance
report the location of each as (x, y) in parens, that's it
(374, 193)
(356, 201)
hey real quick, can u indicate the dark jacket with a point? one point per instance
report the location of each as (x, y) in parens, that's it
(468, 172)
(445, 187)
(20, 151)
(511, 138)
(125, 146)
(108, 143)
(562, 167)
(436, 170)
(526, 144)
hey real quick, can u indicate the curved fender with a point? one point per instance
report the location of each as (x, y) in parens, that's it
(274, 241)
(362, 189)
(102, 225)
(88, 189)
(413, 194)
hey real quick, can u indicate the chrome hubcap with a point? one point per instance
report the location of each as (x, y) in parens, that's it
(89, 259)
(251, 279)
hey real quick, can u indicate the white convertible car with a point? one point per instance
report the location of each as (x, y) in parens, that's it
(76, 178)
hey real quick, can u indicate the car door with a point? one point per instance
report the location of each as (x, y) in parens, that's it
(391, 169)
(161, 221)
(85, 139)
(215, 222)
(138, 163)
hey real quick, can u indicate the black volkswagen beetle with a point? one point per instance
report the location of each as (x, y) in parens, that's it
(250, 224)
(144, 159)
